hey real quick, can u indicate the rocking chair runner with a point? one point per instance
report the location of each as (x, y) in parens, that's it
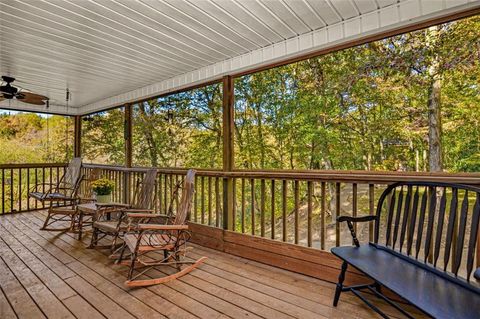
(171, 239)
(111, 218)
(64, 191)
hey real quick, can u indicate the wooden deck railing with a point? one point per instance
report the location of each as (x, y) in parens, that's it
(291, 206)
(18, 179)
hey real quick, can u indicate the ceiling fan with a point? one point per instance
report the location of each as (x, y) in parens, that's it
(8, 92)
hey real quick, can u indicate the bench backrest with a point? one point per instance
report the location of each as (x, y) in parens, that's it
(433, 223)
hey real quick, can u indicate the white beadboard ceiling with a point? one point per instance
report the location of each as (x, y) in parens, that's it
(111, 52)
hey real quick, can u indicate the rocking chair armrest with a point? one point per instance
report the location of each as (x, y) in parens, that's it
(356, 219)
(161, 227)
(350, 220)
(142, 215)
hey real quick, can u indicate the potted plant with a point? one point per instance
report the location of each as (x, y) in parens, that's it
(103, 188)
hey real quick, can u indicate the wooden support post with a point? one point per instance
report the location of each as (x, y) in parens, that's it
(228, 156)
(127, 134)
(77, 143)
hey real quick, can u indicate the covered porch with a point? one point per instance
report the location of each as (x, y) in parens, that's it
(267, 233)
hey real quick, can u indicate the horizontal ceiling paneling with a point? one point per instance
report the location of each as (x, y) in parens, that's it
(110, 51)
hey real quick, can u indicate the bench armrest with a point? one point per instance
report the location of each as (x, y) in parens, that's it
(350, 220)
(356, 219)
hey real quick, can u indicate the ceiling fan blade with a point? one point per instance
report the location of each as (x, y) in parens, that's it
(30, 96)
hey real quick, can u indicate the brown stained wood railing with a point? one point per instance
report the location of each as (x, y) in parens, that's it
(18, 179)
(290, 206)
(300, 206)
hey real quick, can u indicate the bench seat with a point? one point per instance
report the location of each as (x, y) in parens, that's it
(430, 292)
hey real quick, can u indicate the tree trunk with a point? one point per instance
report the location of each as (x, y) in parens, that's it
(434, 110)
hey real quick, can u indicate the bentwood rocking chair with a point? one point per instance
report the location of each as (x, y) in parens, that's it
(111, 218)
(166, 245)
(65, 191)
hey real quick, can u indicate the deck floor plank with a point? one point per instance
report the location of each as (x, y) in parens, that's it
(50, 305)
(76, 248)
(6, 310)
(51, 274)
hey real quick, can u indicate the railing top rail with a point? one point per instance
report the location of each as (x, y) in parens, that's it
(352, 176)
(31, 165)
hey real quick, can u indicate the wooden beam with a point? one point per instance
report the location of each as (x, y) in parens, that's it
(77, 143)
(128, 135)
(128, 150)
(228, 153)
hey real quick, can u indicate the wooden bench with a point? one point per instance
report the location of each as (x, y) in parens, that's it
(424, 247)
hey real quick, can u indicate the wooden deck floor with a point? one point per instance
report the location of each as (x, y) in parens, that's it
(47, 274)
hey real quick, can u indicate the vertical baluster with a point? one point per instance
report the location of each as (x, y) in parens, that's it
(243, 206)
(431, 219)
(262, 207)
(3, 191)
(322, 215)
(28, 188)
(165, 193)
(195, 201)
(234, 206)
(11, 190)
(171, 190)
(440, 223)
(43, 184)
(19, 189)
(284, 210)
(209, 200)
(252, 207)
(272, 208)
(296, 210)
(337, 213)
(406, 216)
(203, 201)
(217, 202)
(473, 236)
(461, 234)
(391, 209)
(413, 219)
(371, 209)
(354, 204)
(421, 222)
(160, 192)
(309, 212)
(36, 183)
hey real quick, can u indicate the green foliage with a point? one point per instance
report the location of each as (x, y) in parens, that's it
(103, 186)
(180, 130)
(102, 138)
(35, 138)
(365, 107)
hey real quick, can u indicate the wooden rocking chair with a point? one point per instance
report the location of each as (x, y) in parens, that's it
(172, 239)
(111, 218)
(65, 191)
